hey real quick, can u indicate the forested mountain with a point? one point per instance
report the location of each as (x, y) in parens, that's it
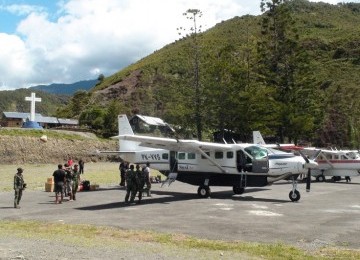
(54, 97)
(66, 89)
(14, 101)
(292, 72)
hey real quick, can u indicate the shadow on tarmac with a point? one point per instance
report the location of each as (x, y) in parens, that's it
(170, 196)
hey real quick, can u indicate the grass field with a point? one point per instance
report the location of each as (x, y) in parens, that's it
(35, 175)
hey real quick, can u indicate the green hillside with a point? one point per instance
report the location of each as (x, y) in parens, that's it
(296, 79)
(14, 101)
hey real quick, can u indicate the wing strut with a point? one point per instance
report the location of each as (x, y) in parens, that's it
(211, 160)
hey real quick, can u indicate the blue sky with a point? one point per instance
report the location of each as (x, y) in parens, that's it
(64, 41)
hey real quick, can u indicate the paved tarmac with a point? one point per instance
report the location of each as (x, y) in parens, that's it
(328, 215)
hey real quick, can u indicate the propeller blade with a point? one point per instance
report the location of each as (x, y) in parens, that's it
(310, 163)
(316, 155)
(308, 180)
(304, 156)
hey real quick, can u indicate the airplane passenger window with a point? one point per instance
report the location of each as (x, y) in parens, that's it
(181, 156)
(219, 155)
(230, 155)
(165, 156)
(191, 156)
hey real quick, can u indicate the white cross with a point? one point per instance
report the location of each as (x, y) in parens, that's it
(32, 99)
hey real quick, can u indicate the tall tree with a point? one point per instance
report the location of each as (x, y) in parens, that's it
(195, 29)
(283, 65)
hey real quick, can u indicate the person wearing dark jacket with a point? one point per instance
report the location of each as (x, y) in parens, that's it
(19, 186)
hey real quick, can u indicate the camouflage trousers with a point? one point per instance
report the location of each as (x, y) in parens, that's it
(18, 195)
(130, 190)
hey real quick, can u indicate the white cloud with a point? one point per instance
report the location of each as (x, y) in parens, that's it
(21, 9)
(98, 36)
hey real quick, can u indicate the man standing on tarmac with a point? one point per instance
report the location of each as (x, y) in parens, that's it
(59, 179)
(130, 185)
(123, 167)
(146, 170)
(140, 181)
(75, 181)
(19, 186)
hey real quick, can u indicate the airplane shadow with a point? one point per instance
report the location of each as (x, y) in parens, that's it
(170, 196)
(344, 182)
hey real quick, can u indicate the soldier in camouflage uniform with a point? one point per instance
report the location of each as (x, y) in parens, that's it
(19, 186)
(75, 181)
(140, 182)
(130, 185)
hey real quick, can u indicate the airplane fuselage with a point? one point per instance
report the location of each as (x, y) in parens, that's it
(221, 168)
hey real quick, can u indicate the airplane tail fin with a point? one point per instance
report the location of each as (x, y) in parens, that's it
(257, 138)
(125, 129)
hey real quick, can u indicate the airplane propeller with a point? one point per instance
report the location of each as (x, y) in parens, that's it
(310, 163)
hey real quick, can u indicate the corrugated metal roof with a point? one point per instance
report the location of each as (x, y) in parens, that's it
(41, 119)
(66, 121)
(151, 120)
(19, 115)
(46, 119)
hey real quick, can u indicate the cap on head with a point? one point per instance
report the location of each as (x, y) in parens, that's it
(20, 170)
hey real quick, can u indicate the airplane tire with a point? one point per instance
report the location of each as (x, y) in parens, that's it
(294, 196)
(320, 178)
(238, 190)
(336, 178)
(204, 192)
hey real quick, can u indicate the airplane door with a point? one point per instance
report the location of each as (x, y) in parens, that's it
(173, 161)
(261, 165)
(246, 164)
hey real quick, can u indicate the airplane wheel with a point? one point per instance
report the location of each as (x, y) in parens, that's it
(336, 178)
(204, 192)
(238, 190)
(294, 196)
(320, 178)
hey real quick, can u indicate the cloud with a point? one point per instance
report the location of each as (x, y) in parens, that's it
(21, 9)
(82, 39)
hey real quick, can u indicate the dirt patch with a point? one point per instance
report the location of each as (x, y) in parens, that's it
(23, 149)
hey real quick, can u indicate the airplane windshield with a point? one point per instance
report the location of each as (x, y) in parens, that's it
(353, 155)
(256, 152)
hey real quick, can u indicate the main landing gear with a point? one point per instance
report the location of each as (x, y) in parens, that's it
(204, 191)
(238, 190)
(294, 194)
(320, 178)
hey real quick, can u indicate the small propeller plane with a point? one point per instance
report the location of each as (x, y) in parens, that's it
(212, 164)
(335, 163)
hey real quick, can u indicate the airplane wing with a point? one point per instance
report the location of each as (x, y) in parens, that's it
(179, 145)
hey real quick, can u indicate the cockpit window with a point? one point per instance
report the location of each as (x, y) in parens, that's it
(353, 155)
(256, 152)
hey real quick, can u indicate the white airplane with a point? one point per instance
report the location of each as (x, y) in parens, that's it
(334, 163)
(211, 164)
